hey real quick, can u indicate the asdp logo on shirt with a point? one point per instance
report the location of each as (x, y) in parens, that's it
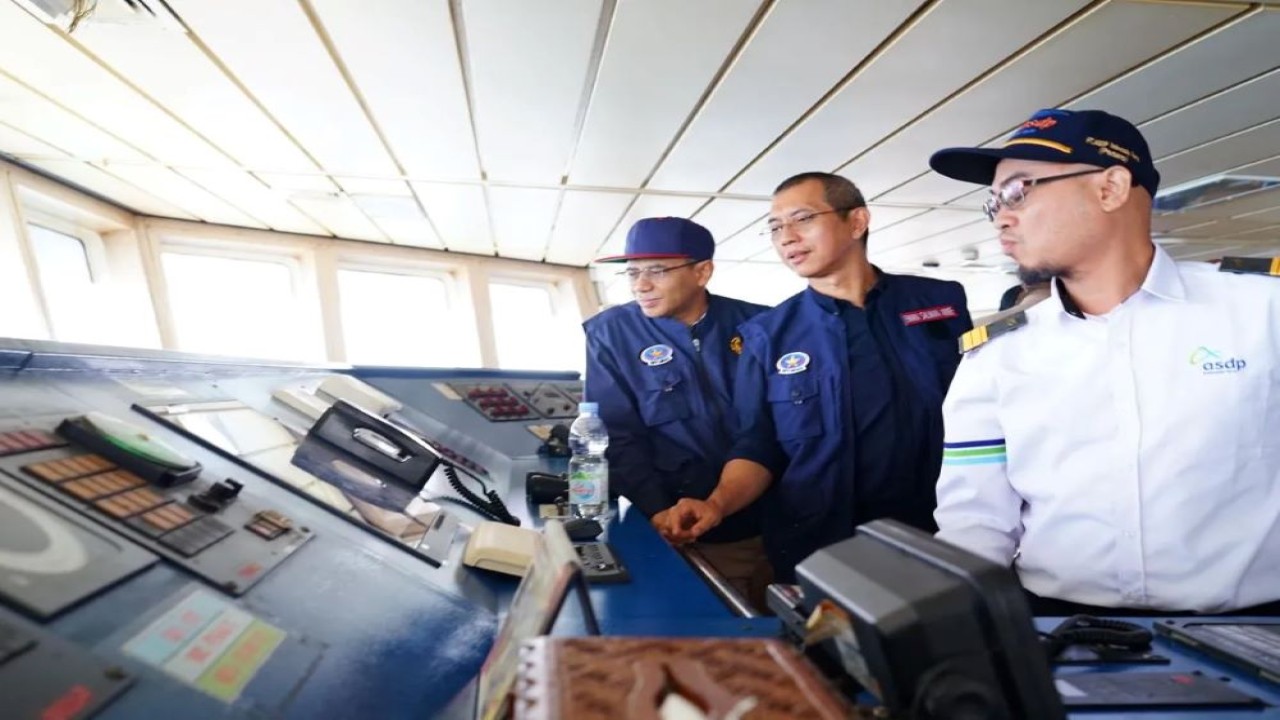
(1212, 362)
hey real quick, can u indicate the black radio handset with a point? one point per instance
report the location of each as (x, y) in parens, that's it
(491, 505)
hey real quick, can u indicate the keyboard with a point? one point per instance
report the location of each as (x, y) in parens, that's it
(599, 564)
(1256, 644)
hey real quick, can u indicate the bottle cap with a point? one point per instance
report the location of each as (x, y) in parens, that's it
(588, 407)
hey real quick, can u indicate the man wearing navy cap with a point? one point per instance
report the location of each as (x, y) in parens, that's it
(839, 404)
(1117, 443)
(662, 369)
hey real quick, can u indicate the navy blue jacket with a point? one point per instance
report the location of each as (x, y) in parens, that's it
(666, 396)
(795, 412)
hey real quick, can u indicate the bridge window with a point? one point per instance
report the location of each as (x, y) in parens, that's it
(536, 327)
(239, 307)
(405, 319)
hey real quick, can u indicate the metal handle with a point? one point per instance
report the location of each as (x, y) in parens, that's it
(728, 593)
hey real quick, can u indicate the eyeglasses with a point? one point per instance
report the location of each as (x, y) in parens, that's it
(799, 222)
(655, 273)
(1014, 192)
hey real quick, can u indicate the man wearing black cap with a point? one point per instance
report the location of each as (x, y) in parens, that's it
(662, 369)
(839, 404)
(1119, 442)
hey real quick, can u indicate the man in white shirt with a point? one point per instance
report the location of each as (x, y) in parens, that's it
(1119, 442)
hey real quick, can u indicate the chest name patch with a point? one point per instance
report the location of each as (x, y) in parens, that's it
(931, 314)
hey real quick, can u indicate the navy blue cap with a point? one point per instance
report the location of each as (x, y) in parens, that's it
(666, 237)
(1091, 137)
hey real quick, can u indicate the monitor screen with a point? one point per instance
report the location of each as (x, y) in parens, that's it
(932, 630)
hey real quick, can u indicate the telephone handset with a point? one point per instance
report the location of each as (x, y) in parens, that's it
(401, 455)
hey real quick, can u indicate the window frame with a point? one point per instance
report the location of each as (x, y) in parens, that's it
(95, 249)
(452, 277)
(296, 260)
(565, 301)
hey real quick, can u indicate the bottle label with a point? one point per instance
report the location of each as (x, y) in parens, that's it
(585, 487)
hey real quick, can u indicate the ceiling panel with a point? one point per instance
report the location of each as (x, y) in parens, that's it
(1171, 222)
(301, 88)
(173, 71)
(647, 206)
(585, 219)
(19, 144)
(1108, 41)
(460, 214)
(1241, 207)
(1264, 234)
(934, 189)
(1225, 228)
(401, 222)
(40, 57)
(288, 183)
(1221, 156)
(641, 96)
(392, 206)
(747, 244)
(726, 217)
(905, 82)
(884, 216)
(913, 253)
(45, 120)
(1244, 106)
(109, 186)
(1265, 168)
(528, 64)
(373, 186)
(1229, 55)
(1267, 216)
(168, 185)
(921, 226)
(522, 219)
(252, 196)
(1199, 251)
(404, 58)
(338, 214)
(800, 51)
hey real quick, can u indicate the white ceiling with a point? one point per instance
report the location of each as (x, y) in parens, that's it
(541, 129)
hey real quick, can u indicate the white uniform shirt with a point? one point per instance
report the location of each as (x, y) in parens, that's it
(1130, 460)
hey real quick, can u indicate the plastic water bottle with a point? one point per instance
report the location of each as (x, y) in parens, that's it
(588, 468)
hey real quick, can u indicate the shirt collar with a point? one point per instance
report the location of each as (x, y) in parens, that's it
(672, 325)
(1163, 281)
(832, 305)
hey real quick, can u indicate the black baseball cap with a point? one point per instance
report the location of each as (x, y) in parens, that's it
(1091, 137)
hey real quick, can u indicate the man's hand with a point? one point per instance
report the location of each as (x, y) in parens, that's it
(688, 519)
(661, 522)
